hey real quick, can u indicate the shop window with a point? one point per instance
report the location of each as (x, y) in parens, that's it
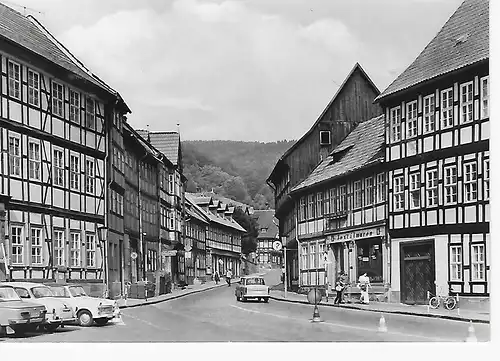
(369, 261)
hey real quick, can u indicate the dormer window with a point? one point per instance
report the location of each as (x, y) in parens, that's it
(325, 137)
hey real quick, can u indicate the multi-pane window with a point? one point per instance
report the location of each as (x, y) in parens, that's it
(319, 204)
(429, 114)
(75, 259)
(450, 184)
(478, 265)
(456, 263)
(411, 119)
(415, 190)
(399, 192)
(33, 87)
(74, 172)
(57, 99)
(447, 108)
(310, 206)
(470, 181)
(74, 106)
(380, 187)
(89, 176)
(369, 191)
(58, 166)
(467, 100)
(321, 255)
(432, 187)
(91, 249)
(90, 113)
(59, 247)
(17, 244)
(34, 160)
(36, 245)
(334, 199)
(342, 198)
(14, 80)
(326, 202)
(396, 124)
(485, 98)
(312, 255)
(14, 156)
(486, 176)
(357, 194)
(303, 256)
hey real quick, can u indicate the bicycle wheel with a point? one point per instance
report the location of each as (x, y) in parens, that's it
(450, 303)
(434, 302)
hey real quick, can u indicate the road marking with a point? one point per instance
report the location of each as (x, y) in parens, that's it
(345, 326)
(148, 323)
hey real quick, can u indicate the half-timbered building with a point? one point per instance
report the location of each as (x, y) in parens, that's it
(351, 104)
(54, 121)
(342, 216)
(268, 234)
(437, 135)
(196, 229)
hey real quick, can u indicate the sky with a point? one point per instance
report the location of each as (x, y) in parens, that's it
(252, 70)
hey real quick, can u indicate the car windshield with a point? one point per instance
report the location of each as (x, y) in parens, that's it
(77, 291)
(8, 294)
(41, 292)
(255, 281)
(59, 292)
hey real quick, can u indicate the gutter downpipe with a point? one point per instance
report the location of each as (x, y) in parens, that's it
(141, 235)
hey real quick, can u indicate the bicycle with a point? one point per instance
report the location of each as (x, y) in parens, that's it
(449, 302)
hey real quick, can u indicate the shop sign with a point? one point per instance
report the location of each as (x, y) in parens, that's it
(355, 235)
(171, 253)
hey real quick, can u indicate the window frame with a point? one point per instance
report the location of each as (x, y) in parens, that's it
(58, 167)
(14, 152)
(90, 176)
(357, 198)
(57, 90)
(36, 246)
(448, 121)
(486, 178)
(411, 122)
(33, 88)
(431, 188)
(304, 254)
(414, 190)
(475, 261)
(381, 190)
(74, 106)
(467, 104)
(90, 250)
(59, 247)
(74, 172)
(34, 160)
(450, 184)
(456, 263)
(429, 113)
(484, 99)
(470, 185)
(312, 255)
(398, 190)
(395, 124)
(369, 191)
(75, 251)
(19, 245)
(14, 79)
(90, 118)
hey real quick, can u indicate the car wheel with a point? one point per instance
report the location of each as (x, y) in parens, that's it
(50, 327)
(266, 300)
(85, 318)
(101, 321)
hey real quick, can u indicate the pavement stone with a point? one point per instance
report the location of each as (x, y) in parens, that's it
(386, 307)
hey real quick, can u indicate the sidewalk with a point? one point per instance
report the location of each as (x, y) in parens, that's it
(397, 308)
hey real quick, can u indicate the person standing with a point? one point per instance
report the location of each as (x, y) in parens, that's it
(364, 285)
(216, 277)
(229, 274)
(342, 279)
(339, 289)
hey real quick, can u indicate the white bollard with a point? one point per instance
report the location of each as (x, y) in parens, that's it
(382, 327)
(471, 333)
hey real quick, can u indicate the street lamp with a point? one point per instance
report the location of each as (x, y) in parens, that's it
(102, 233)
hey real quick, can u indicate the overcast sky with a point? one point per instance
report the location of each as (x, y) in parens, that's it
(239, 69)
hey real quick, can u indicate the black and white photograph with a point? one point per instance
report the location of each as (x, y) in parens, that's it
(246, 172)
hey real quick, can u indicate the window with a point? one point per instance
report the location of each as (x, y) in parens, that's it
(91, 248)
(380, 187)
(399, 193)
(17, 243)
(396, 124)
(447, 108)
(34, 160)
(478, 262)
(334, 200)
(74, 106)
(33, 88)
(326, 203)
(321, 254)
(59, 247)
(36, 246)
(90, 113)
(171, 183)
(470, 181)
(303, 256)
(485, 98)
(75, 249)
(89, 176)
(486, 176)
(324, 137)
(357, 194)
(369, 191)
(319, 204)
(432, 189)
(411, 119)
(466, 96)
(456, 263)
(14, 80)
(58, 164)
(429, 114)
(415, 190)
(310, 206)
(312, 255)
(57, 99)
(74, 172)
(342, 198)
(450, 184)
(14, 156)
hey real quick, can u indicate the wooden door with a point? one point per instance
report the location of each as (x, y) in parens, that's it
(417, 272)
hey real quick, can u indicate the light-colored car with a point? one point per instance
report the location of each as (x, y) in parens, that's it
(18, 315)
(252, 287)
(88, 309)
(59, 312)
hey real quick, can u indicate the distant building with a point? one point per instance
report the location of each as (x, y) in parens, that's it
(268, 233)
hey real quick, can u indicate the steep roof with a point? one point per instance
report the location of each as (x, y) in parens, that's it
(30, 34)
(144, 144)
(168, 143)
(195, 211)
(265, 219)
(361, 148)
(462, 41)
(226, 200)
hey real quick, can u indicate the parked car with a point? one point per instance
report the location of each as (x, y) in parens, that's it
(18, 315)
(59, 312)
(88, 309)
(252, 287)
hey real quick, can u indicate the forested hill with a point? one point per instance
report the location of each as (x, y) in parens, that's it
(234, 169)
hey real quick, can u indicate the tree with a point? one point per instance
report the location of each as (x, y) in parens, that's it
(249, 239)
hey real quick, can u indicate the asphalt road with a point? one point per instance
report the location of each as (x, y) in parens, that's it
(216, 316)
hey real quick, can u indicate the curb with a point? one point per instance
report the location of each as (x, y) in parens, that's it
(430, 315)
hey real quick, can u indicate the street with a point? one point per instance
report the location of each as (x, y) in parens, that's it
(216, 316)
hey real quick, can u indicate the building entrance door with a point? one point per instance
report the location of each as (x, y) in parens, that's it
(417, 272)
